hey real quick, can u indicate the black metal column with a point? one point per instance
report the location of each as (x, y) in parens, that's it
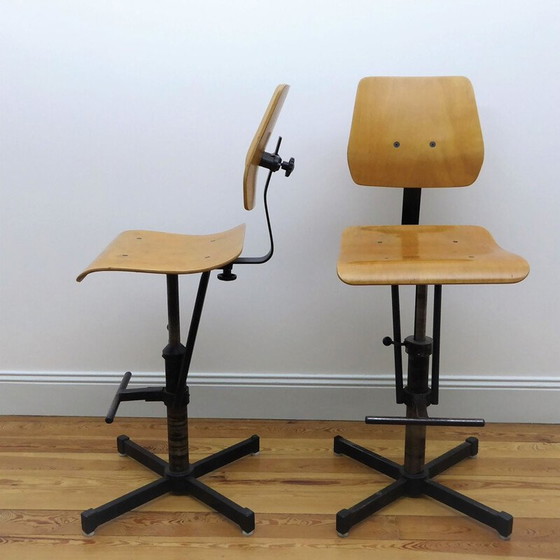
(417, 388)
(173, 354)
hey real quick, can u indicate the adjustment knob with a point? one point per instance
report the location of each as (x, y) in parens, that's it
(387, 341)
(227, 275)
(289, 166)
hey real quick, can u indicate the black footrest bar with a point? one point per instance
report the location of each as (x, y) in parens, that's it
(117, 398)
(149, 394)
(403, 421)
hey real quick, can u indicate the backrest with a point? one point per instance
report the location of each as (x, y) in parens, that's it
(258, 144)
(415, 132)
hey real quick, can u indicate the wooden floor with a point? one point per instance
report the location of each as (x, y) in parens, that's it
(53, 468)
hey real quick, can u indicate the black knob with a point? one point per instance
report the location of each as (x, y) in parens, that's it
(387, 341)
(227, 275)
(289, 166)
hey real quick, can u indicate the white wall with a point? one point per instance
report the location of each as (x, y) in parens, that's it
(137, 114)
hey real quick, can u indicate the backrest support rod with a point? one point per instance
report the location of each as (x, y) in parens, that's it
(411, 206)
(173, 321)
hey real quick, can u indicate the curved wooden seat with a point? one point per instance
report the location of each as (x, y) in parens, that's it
(168, 253)
(418, 255)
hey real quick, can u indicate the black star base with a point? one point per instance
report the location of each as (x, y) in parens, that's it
(415, 485)
(181, 483)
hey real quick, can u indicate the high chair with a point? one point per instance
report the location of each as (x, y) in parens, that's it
(172, 255)
(416, 133)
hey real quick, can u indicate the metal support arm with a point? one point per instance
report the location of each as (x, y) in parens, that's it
(272, 162)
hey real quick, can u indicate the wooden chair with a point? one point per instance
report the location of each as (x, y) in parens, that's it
(415, 133)
(171, 255)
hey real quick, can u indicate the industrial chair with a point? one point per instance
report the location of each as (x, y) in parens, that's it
(171, 255)
(415, 133)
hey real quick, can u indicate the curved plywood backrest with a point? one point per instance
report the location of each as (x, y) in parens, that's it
(415, 132)
(258, 144)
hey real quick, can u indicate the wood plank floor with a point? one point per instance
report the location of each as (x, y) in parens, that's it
(53, 468)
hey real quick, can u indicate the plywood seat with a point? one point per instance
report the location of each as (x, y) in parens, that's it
(172, 253)
(168, 253)
(413, 255)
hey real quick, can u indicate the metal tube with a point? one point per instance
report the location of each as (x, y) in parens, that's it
(397, 342)
(436, 333)
(173, 354)
(411, 206)
(420, 313)
(173, 321)
(415, 442)
(417, 385)
(400, 421)
(191, 338)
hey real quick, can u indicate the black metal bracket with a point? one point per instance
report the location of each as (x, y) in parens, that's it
(272, 162)
(421, 348)
(411, 206)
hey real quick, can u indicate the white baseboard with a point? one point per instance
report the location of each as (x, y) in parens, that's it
(287, 396)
